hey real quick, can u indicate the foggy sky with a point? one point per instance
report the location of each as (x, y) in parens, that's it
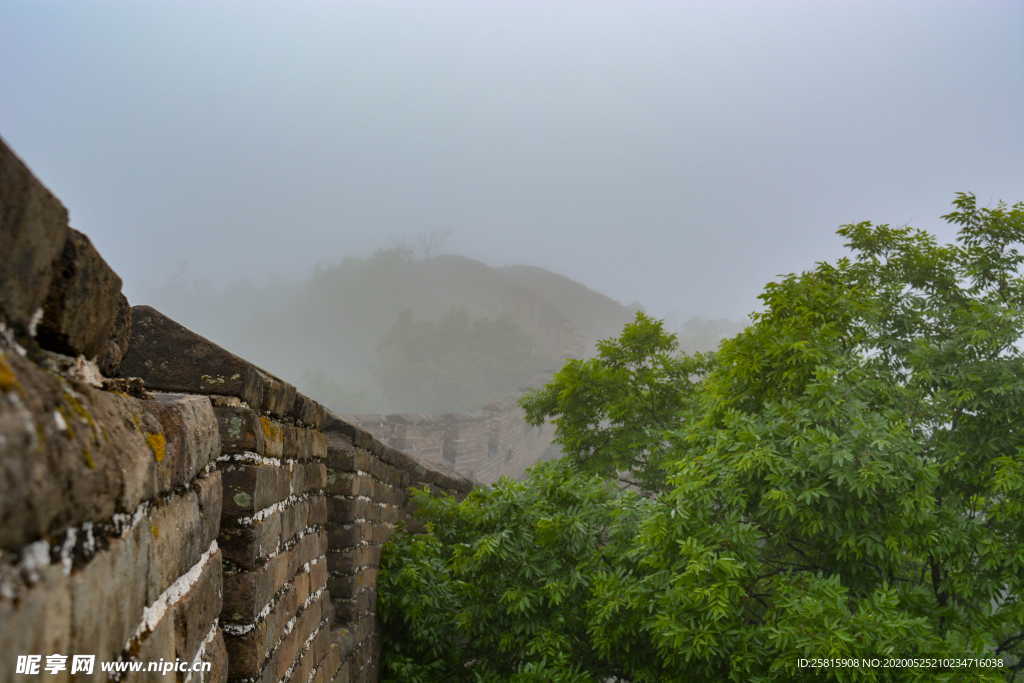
(675, 154)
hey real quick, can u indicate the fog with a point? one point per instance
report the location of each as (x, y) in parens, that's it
(672, 155)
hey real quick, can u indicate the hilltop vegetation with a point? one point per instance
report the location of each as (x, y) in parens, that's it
(397, 332)
(843, 479)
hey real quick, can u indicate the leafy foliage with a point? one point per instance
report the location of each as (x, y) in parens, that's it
(611, 412)
(842, 479)
(502, 579)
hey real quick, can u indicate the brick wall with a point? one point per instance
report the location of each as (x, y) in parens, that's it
(494, 442)
(161, 498)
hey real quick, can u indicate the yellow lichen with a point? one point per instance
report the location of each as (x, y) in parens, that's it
(89, 461)
(8, 380)
(271, 432)
(157, 444)
(155, 530)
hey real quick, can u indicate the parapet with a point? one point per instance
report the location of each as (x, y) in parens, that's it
(162, 499)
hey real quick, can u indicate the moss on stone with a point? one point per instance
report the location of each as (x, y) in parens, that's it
(78, 409)
(69, 428)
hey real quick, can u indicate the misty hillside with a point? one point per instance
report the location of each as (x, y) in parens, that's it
(393, 332)
(593, 315)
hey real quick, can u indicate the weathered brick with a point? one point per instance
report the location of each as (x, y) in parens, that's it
(308, 412)
(351, 610)
(170, 357)
(347, 560)
(249, 651)
(349, 586)
(248, 546)
(195, 613)
(85, 312)
(217, 655)
(344, 510)
(70, 453)
(33, 229)
(180, 534)
(290, 647)
(191, 438)
(250, 487)
(302, 443)
(109, 594)
(40, 622)
(247, 592)
(348, 535)
(154, 646)
(310, 547)
(244, 430)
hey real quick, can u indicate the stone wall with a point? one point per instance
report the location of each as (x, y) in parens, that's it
(161, 498)
(493, 442)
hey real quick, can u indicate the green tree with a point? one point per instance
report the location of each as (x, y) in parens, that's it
(612, 412)
(845, 479)
(502, 580)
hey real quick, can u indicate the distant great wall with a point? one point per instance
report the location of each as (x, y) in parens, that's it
(163, 499)
(483, 446)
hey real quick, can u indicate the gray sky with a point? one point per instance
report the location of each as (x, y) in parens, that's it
(675, 154)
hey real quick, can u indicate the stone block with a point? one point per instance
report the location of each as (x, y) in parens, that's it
(85, 312)
(191, 437)
(170, 357)
(243, 430)
(345, 510)
(154, 646)
(310, 547)
(70, 453)
(39, 623)
(247, 592)
(109, 594)
(249, 488)
(348, 560)
(195, 613)
(217, 655)
(33, 229)
(247, 546)
(180, 534)
(308, 412)
(248, 651)
(302, 443)
(348, 535)
(350, 484)
(350, 610)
